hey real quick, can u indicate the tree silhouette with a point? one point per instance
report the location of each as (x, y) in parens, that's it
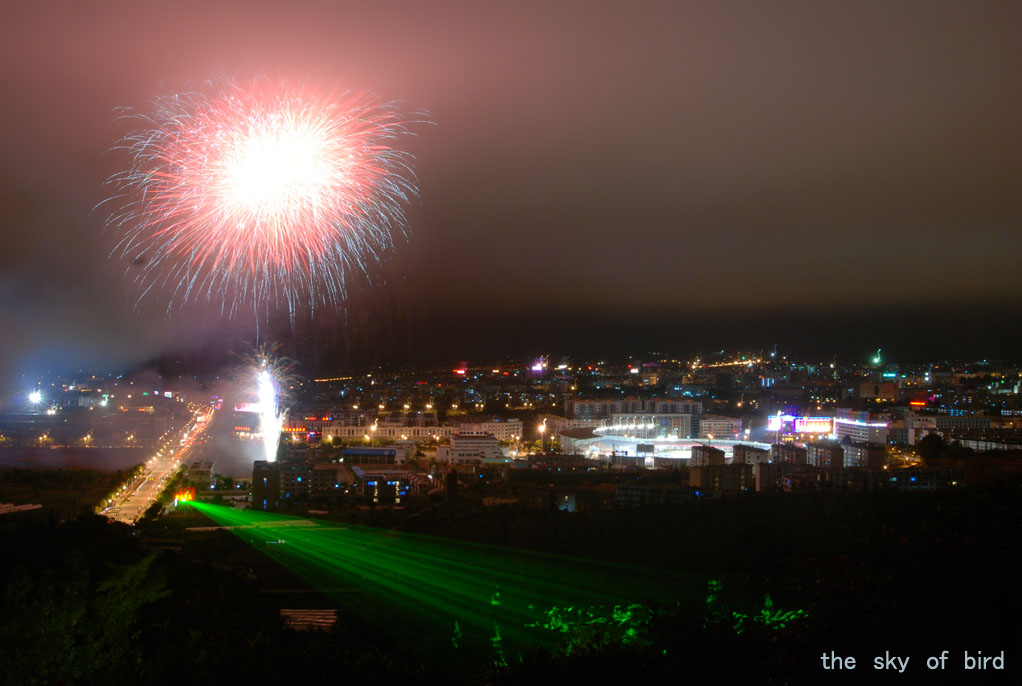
(930, 448)
(64, 625)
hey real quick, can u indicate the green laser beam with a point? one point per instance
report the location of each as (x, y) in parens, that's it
(469, 595)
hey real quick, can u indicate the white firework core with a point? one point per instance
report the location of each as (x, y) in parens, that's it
(270, 420)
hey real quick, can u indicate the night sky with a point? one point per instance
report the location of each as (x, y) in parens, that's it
(598, 176)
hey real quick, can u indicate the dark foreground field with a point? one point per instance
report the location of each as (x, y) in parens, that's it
(774, 584)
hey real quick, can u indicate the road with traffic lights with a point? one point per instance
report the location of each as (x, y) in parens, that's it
(137, 495)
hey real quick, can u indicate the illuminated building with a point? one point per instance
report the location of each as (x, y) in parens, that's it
(860, 427)
(911, 427)
(404, 426)
(600, 409)
(786, 425)
(719, 427)
(501, 429)
(878, 390)
(469, 449)
(387, 432)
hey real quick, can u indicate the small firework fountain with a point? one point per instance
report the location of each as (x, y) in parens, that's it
(272, 374)
(270, 421)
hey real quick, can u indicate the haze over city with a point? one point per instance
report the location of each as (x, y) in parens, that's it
(588, 170)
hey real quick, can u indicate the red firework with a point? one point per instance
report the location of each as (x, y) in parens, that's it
(261, 192)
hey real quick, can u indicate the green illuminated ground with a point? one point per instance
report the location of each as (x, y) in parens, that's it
(461, 594)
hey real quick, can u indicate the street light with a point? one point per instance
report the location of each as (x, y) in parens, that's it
(542, 436)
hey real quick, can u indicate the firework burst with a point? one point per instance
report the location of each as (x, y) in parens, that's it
(259, 194)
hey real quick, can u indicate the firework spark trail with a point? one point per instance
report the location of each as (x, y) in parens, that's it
(272, 374)
(270, 422)
(259, 194)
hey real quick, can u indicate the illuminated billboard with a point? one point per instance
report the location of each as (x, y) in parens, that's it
(814, 425)
(790, 424)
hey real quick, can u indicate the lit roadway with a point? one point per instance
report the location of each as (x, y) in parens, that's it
(139, 494)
